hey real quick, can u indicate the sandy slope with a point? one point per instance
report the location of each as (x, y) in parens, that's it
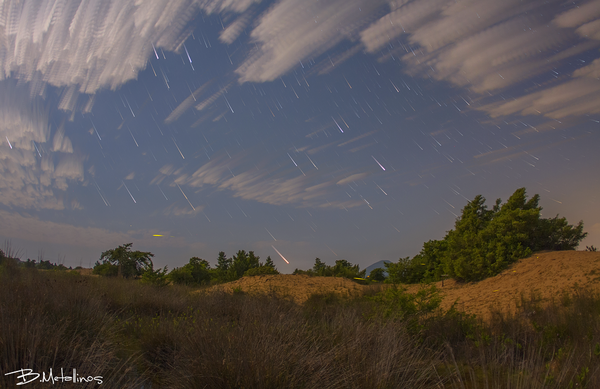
(297, 287)
(546, 273)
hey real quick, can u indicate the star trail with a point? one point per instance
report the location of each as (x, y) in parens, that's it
(348, 129)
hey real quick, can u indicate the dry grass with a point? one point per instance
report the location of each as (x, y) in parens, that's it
(176, 337)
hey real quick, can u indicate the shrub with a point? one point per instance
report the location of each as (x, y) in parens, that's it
(105, 269)
(196, 272)
(156, 277)
(256, 271)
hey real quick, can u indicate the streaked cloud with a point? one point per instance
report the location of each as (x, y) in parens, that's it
(235, 28)
(84, 45)
(180, 210)
(186, 104)
(489, 47)
(293, 30)
(264, 184)
(352, 178)
(35, 171)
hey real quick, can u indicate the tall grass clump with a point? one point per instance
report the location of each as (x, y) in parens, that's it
(137, 335)
(543, 344)
(57, 320)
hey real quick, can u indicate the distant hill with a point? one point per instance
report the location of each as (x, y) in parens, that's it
(375, 266)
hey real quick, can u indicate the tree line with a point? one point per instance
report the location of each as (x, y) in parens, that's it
(124, 262)
(482, 244)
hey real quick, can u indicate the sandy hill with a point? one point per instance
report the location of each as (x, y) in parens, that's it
(545, 273)
(296, 287)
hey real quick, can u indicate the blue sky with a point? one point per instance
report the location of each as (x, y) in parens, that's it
(340, 129)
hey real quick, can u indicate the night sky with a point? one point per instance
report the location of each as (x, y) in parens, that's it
(338, 129)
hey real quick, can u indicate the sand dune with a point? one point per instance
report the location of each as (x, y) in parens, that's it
(546, 273)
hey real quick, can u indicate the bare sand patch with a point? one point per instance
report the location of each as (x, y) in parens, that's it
(546, 274)
(296, 287)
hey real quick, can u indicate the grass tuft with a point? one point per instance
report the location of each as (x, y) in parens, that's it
(136, 335)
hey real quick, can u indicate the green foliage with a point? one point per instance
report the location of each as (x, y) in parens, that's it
(269, 262)
(105, 269)
(129, 263)
(158, 277)
(484, 242)
(256, 271)
(396, 302)
(342, 268)
(196, 272)
(220, 273)
(377, 274)
(308, 272)
(242, 262)
(319, 267)
(44, 265)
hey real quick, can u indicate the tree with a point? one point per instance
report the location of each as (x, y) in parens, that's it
(196, 272)
(377, 274)
(557, 234)
(484, 242)
(158, 277)
(267, 268)
(242, 262)
(343, 268)
(129, 263)
(503, 237)
(401, 271)
(221, 272)
(319, 267)
(269, 262)
(223, 262)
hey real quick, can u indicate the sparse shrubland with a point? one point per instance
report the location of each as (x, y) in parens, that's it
(181, 335)
(133, 334)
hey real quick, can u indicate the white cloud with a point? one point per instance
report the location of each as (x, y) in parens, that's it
(352, 178)
(579, 15)
(233, 30)
(293, 30)
(32, 168)
(263, 184)
(490, 46)
(94, 44)
(61, 142)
